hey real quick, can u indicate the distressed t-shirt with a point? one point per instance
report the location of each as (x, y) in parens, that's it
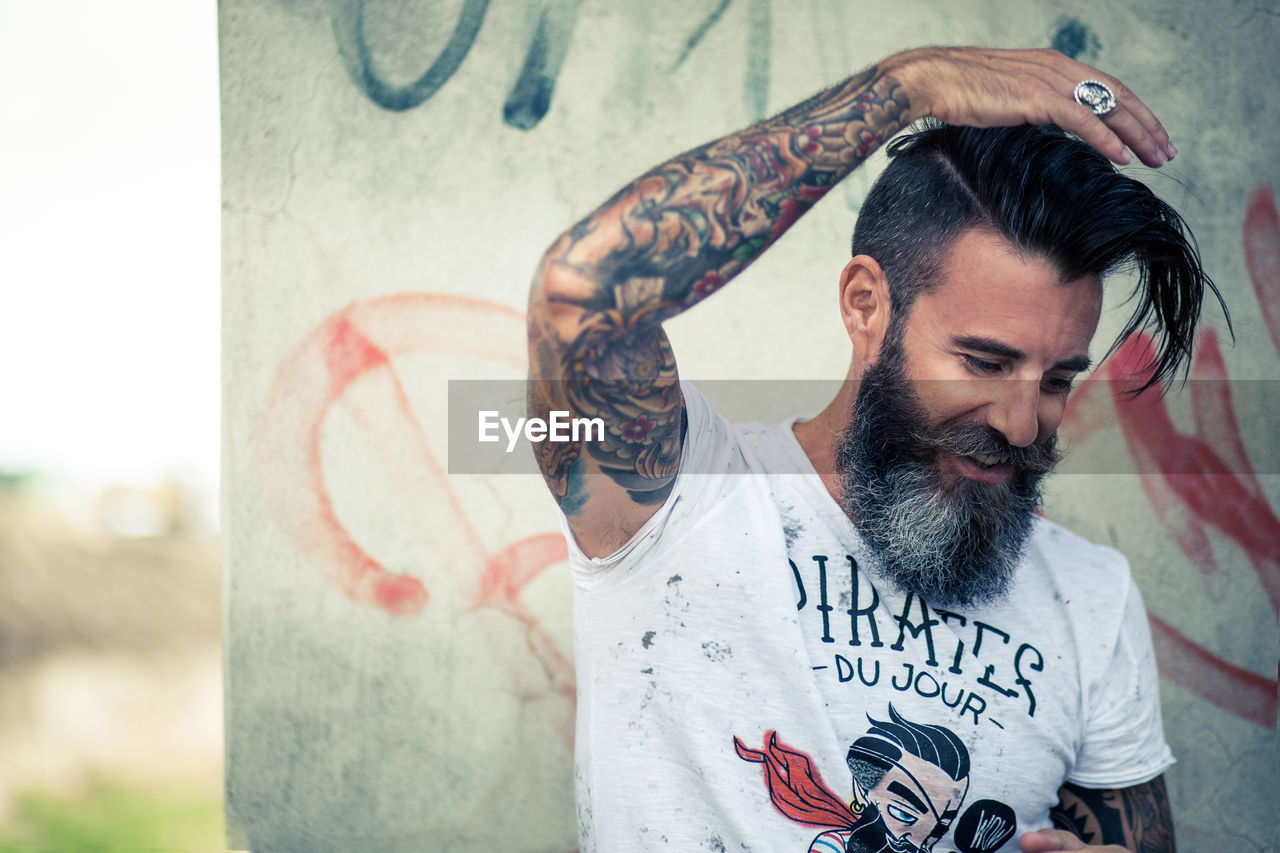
(746, 681)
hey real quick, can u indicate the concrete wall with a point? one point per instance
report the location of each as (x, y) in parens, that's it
(398, 647)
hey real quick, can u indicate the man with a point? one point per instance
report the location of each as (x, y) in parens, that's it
(732, 582)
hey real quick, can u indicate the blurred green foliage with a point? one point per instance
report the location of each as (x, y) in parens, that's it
(115, 819)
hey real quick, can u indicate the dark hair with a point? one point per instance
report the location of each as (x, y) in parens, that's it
(872, 755)
(1047, 193)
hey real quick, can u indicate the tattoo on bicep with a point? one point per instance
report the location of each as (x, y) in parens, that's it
(1137, 818)
(626, 376)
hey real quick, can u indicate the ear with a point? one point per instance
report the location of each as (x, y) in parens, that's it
(860, 800)
(864, 306)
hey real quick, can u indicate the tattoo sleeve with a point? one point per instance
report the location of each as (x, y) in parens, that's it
(1137, 818)
(661, 245)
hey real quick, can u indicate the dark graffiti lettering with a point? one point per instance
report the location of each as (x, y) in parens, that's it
(530, 95)
(755, 82)
(349, 33)
(1076, 40)
(702, 29)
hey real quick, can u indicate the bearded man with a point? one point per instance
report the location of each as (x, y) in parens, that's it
(737, 582)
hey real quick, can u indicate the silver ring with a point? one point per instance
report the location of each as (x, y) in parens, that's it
(1095, 95)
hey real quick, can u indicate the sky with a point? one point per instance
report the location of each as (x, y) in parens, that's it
(109, 239)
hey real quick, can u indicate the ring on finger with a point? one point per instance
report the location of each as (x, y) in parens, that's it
(1095, 95)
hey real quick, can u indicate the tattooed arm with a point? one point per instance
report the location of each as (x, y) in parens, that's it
(681, 231)
(1136, 819)
(658, 247)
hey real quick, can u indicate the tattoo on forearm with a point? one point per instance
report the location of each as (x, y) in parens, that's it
(664, 243)
(1136, 818)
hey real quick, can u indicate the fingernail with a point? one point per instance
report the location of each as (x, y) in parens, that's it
(1173, 152)
(1125, 158)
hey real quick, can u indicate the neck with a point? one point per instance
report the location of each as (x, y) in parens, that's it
(819, 435)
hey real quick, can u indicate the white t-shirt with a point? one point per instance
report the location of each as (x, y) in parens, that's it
(748, 609)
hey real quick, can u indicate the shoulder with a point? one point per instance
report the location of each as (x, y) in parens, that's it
(715, 446)
(1074, 560)
(1067, 582)
(708, 481)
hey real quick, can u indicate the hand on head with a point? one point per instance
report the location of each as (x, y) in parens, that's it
(986, 87)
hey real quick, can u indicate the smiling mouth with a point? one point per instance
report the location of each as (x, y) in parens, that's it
(986, 460)
(989, 468)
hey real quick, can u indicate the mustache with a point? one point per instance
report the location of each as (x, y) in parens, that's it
(968, 439)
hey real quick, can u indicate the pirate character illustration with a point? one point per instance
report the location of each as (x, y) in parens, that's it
(909, 780)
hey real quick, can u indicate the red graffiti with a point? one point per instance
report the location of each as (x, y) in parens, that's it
(1203, 483)
(1262, 256)
(1198, 486)
(1182, 661)
(350, 362)
(1213, 481)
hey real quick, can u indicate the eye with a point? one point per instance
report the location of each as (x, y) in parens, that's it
(901, 815)
(982, 366)
(1059, 384)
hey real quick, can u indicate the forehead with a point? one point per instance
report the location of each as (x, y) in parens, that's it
(923, 778)
(987, 288)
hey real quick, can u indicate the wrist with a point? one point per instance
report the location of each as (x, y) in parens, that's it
(909, 69)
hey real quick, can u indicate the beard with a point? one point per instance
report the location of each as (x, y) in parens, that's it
(953, 541)
(870, 835)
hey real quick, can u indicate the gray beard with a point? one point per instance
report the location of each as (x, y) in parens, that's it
(955, 544)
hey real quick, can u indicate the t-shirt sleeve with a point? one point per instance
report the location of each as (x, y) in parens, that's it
(1124, 741)
(710, 454)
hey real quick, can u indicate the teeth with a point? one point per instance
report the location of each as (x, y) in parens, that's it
(986, 460)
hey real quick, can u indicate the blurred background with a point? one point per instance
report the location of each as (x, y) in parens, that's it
(110, 668)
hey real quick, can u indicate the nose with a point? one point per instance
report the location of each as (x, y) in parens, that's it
(1015, 413)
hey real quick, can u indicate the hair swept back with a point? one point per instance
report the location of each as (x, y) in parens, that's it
(1047, 193)
(871, 755)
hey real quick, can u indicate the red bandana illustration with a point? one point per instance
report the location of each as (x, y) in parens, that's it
(797, 790)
